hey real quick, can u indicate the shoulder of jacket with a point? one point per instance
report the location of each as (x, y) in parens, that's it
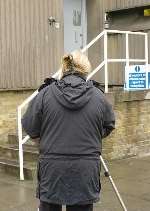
(98, 91)
(99, 96)
(47, 83)
(98, 85)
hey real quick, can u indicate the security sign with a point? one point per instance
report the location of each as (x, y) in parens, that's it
(136, 77)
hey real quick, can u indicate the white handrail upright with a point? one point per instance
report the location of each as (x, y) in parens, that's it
(146, 55)
(20, 144)
(105, 62)
(146, 49)
(20, 135)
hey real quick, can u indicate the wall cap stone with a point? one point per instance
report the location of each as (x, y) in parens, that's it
(128, 96)
(18, 90)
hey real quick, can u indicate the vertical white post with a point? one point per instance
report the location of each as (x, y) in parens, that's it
(126, 85)
(105, 59)
(20, 144)
(146, 58)
(146, 49)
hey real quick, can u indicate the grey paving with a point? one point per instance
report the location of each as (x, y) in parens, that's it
(132, 177)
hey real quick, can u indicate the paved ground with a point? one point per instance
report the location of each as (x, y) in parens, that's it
(132, 177)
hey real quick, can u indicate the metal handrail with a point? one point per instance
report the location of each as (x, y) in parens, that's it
(105, 62)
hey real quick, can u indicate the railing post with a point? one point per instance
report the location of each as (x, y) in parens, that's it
(146, 49)
(20, 144)
(126, 85)
(146, 57)
(105, 59)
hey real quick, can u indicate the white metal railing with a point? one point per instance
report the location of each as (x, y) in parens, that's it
(104, 63)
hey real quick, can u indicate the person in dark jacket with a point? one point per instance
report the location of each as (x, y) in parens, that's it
(70, 117)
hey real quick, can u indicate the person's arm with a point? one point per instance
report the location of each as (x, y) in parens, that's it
(109, 119)
(32, 119)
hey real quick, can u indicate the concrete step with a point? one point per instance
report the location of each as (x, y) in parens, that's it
(9, 157)
(12, 167)
(10, 151)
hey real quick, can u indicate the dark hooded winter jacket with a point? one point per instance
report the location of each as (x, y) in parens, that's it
(71, 117)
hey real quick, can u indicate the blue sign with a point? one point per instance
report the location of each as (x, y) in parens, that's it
(148, 80)
(137, 80)
(136, 77)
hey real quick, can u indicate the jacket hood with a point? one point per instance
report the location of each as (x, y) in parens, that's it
(72, 91)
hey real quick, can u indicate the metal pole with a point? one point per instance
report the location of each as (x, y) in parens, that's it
(105, 59)
(126, 84)
(113, 184)
(146, 58)
(146, 49)
(20, 144)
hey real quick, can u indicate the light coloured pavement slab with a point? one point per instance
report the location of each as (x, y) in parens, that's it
(132, 177)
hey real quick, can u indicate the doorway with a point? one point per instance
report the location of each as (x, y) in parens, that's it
(75, 25)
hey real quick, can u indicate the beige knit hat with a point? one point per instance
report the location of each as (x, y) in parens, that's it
(76, 61)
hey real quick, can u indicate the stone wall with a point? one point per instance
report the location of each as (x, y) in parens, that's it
(9, 100)
(130, 138)
(132, 134)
